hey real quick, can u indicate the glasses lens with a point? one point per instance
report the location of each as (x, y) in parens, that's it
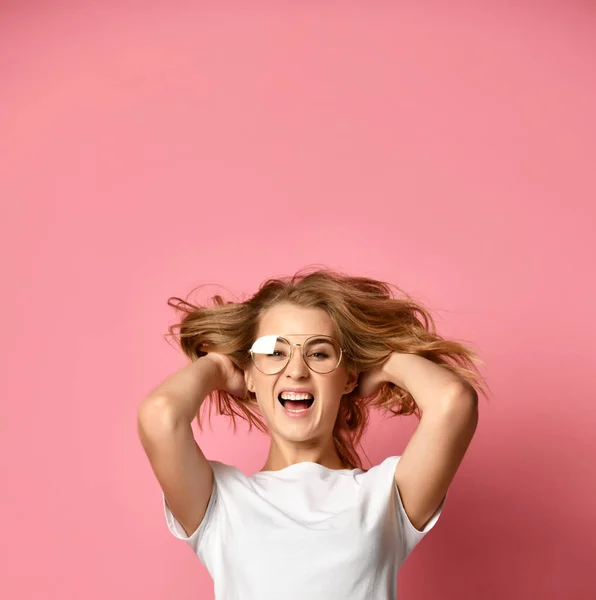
(322, 354)
(271, 354)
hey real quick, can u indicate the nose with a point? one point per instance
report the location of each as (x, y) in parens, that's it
(296, 367)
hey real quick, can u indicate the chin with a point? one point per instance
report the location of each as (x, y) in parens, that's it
(295, 436)
(302, 432)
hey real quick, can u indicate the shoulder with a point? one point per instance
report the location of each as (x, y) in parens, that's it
(383, 470)
(379, 480)
(226, 475)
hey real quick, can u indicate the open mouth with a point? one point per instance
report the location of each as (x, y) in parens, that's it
(295, 405)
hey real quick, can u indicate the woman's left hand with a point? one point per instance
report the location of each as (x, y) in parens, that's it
(371, 381)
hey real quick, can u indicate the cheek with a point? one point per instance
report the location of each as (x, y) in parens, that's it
(332, 400)
(264, 397)
(337, 386)
(333, 394)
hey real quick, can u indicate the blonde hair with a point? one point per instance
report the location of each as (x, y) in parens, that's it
(371, 324)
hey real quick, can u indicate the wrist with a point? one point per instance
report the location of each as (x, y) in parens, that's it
(395, 368)
(211, 369)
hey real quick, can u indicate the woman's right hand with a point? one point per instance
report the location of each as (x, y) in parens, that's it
(231, 377)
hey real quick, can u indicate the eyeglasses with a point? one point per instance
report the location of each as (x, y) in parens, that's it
(272, 353)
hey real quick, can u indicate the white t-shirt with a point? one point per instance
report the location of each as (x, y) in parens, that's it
(304, 532)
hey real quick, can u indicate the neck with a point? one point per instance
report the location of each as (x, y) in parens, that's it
(285, 454)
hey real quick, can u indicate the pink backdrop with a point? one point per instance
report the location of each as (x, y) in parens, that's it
(145, 150)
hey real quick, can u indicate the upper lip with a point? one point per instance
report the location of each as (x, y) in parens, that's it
(297, 390)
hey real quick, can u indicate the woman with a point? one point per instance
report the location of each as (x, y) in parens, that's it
(304, 359)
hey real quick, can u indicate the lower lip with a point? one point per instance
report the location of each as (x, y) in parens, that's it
(297, 414)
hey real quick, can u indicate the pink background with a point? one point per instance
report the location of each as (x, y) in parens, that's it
(147, 148)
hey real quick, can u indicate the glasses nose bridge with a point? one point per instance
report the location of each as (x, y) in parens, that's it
(292, 351)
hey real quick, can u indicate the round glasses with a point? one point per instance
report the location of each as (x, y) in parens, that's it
(271, 353)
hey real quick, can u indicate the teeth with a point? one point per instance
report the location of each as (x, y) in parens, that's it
(292, 396)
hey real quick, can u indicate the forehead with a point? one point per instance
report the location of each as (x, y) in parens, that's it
(289, 319)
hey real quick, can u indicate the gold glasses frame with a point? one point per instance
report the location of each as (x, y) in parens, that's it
(310, 335)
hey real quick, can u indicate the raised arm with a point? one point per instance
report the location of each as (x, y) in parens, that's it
(435, 451)
(164, 428)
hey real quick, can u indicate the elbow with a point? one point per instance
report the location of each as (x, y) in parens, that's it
(155, 413)
(461, 411)
(462, 398)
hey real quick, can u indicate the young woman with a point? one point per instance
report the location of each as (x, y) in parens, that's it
(304, 359)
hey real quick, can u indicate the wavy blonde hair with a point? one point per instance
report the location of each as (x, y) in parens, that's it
(371, 322)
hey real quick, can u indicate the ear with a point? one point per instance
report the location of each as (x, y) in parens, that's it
(352, 381)
(248, 380)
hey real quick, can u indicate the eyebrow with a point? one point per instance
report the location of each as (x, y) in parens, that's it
(321, 335)
(295, 334)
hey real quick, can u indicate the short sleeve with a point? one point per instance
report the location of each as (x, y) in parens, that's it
(194, 540)
(411, 536)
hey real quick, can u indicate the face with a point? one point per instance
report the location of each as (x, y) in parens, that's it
(316, 424)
